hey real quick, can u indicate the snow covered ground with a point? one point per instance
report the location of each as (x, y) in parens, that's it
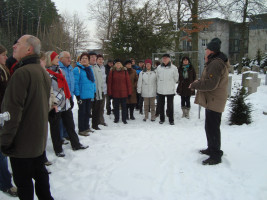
(149, 161)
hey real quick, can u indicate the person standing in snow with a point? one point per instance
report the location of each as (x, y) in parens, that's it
(147, 87)
(108, 66)
(63, 110)
(212, 95)
(85, 91)
(99, 96)
(100, 64)
(5, 176)
(64, 64)
(23, 138)
(167, 76)
(131, 101)
(119, 88)
(187, 75)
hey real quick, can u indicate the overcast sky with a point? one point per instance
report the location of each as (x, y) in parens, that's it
(79, 6)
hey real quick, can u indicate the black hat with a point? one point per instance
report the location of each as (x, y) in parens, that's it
(117, 60)
(214, 45)
(166, 55)
(127, 62)
(91, 53)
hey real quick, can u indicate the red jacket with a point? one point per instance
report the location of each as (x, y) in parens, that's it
(119, 84)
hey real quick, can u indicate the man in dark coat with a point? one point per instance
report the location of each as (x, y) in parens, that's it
(24, 137)
(212, 95)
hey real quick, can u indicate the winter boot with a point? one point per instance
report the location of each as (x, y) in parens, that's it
(132, 113)
(183, 109)
(187, 113)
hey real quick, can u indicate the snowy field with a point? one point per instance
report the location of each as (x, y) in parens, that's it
(149, 161)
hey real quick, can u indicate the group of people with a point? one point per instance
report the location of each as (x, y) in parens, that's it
(42, 89)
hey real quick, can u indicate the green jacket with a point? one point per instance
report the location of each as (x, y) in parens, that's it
(27, 100)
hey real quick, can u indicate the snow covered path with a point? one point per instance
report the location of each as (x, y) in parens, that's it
(149, 161)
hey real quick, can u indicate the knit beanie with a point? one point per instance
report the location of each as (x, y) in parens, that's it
(2, 49)
(148, 61)
(53, 55)
(127, 62)
(214, 45)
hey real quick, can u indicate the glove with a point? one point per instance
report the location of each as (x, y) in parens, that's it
(5, 149)
(79, 101)
(71, 103)
(52, 114)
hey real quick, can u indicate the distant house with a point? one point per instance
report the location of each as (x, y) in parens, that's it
(228, 32)
(257, 35)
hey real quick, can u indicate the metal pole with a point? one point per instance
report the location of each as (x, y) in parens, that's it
(201, 62)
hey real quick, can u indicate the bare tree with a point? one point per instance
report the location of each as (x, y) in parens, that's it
(241, 10)
(78, 32)
(107, 13)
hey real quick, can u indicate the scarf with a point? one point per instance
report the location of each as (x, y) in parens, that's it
(185, 71)
(89, 73)
(32, 59)
(61, 81)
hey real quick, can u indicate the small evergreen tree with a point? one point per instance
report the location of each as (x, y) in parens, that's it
(240, 110)
(259, 56)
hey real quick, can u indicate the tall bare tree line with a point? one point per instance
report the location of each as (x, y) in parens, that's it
(40, 18)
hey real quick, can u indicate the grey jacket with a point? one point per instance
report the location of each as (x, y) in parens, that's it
(147, 84)
(98, 81)
(167, 77)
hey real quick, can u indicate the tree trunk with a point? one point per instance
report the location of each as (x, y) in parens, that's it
(242, 39)
(194, 15)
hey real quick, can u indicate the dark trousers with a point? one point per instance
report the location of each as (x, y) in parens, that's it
(117, 102)
(213, 133)
(96, 108)
(130, 107)
(84, 114)
(67, 119)
(157, 107)
(140, 102)
(169, 107)
(5, 176)
(26, 169)
(102, 106)
(185, 101)
(108, 104)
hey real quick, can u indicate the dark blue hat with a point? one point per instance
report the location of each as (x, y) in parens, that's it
(166, 55)
(214, 45)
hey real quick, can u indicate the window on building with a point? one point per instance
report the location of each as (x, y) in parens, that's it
(204, 42)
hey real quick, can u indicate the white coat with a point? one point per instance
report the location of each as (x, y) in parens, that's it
(167, 77)
(147, 84)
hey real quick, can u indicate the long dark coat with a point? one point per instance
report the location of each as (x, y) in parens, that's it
(133, 79)
(183, 85)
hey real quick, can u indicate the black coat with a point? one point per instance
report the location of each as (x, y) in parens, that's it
(107, 69)
(183, 85)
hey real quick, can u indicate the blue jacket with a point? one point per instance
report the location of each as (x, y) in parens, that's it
(84, 88)
(69, 76)
(137, 69)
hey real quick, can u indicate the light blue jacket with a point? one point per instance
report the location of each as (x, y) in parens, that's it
(69, 76)
(84, 88)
